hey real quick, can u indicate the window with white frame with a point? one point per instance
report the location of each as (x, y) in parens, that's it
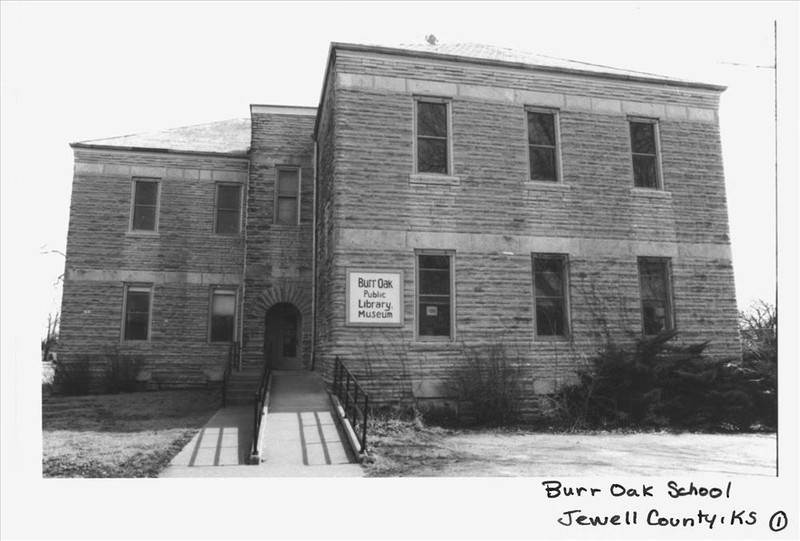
(222, 324)
(287, 196)
(550, 294)
(227, 220)
(655, 290)
(144, 205)
(432, 127)
(645, 153)
(543, 152)
(434, 295)
(136, 310)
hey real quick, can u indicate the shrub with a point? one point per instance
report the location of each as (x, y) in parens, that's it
(490, 381)
(73, 378)
(657, 384)
(121, 372)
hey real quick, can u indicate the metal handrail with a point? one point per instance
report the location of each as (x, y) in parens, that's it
(354, 412)
(258, 405)
(234, 358)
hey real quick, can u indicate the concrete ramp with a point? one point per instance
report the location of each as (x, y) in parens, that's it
(302, 438)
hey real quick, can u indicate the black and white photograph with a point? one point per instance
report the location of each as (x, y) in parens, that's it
(399, 270)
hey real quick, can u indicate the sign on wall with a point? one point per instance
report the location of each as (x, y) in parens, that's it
(374, 297)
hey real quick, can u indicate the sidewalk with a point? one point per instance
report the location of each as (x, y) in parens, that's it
(302, 437)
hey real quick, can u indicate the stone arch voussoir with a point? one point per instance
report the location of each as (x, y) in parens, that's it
(290, 294)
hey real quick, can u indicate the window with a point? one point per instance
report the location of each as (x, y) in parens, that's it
(136, 323)
(144, 215)
(655, 293)
(229, 204)
(432, 128)
(287, 196)
(434, 298)
(542, 145)
(550, 295)
(644, 148)
(223, 314)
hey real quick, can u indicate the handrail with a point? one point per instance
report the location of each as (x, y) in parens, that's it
(234, 358)
(258, 406)
(354, 412)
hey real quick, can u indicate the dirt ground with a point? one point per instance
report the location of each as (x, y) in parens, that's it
(433, 452)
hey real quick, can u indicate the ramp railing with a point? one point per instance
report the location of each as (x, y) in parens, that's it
(259, 401)
(234, 359)
(354, 400)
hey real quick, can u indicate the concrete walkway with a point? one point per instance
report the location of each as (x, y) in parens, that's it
(302, 438)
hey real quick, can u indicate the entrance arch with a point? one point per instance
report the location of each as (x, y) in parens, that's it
(283, 326)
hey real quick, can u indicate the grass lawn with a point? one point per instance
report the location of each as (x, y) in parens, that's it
(120, 435)
(411, 449)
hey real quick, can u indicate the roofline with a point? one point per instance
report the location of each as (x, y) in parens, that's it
(655, 79)
(87, 146)
(328, 64)
(294, 110)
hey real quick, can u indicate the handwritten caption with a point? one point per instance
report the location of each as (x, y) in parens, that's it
(656, 516)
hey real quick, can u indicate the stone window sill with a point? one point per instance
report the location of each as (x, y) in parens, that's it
(651, 192)
(142, 234)
(429, 178)
(544, 185)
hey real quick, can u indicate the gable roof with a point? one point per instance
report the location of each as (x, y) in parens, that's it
(222, 137)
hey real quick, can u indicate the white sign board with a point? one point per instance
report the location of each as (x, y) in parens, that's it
(374, 297)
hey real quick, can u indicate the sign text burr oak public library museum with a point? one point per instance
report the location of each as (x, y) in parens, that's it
(375, 297)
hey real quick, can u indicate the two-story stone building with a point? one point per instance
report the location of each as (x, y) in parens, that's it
(440, 197)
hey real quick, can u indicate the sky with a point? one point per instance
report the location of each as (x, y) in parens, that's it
(80, 71)
(122, 68)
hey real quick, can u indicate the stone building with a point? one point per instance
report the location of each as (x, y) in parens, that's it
(441, 198)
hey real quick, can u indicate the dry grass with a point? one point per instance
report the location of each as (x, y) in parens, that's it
(122, 435)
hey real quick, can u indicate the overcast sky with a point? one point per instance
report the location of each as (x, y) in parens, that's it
(80, 71)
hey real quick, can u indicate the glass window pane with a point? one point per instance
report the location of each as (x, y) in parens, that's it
(644, 171)
(434, 282)
(138, 301)
(441, 262)
(643, 140)
(541, 129)
(146, 193)
(432, 156)
(543, 163)
(549, 317)
(434, 319)
(288, 182)
(227, 221)
(432, 119)
(144, 218)
(228, 197)
(222, 329)
(287, 210)
(655, 317)
(549, 284)
(223, 304)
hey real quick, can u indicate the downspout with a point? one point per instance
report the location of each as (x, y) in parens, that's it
(314, 260)
(244, 263)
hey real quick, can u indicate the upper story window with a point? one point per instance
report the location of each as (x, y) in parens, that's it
(543, 145)
(645, 151)
(136, 320)
(432, 136)
(144, 211)
(229, 205)
(434, 298)
(287, 196)
(223, 314)
(654, 287)
(550, 294)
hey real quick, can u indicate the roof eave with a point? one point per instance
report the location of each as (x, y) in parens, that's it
(503, 63)
(88, 146)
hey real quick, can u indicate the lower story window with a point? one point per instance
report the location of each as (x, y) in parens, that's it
(656, 297)
(136, 323)
(223, 314)
(434, 299)
(550, 294)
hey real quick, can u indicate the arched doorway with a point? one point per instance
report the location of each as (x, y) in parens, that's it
(283, 324)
